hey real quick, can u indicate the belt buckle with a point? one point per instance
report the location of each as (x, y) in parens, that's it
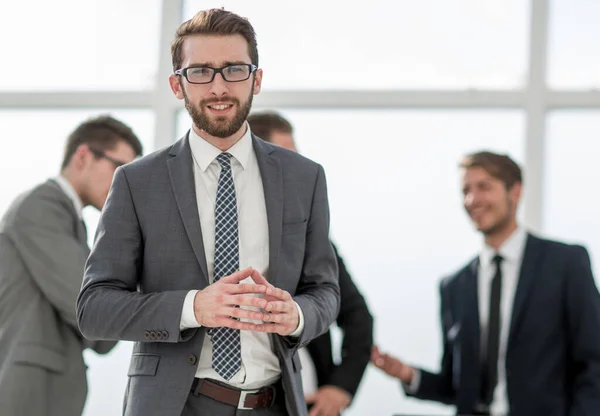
(242, 400)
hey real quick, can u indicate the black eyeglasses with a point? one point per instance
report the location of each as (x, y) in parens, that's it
(100, 154)
(206, 74)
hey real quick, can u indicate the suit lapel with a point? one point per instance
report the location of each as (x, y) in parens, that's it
(471, 325)
(470, 336)
(80, 228)
(82, 231)
(526, 277)
(270, 172)
(181, 174)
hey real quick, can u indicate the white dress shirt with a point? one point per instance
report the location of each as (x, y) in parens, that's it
(260, 365)
(68, 189)
(512, 253)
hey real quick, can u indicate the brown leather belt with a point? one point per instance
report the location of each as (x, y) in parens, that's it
(241, 399)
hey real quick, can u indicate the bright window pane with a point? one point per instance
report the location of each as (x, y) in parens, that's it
(30, 156)
(383, 44)
(397, 217)
(571, 178)
(79, 45)
(574, 54)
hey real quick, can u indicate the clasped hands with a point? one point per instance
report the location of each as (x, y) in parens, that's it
(221, 305)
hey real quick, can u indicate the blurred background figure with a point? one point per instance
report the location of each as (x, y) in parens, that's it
(521, 321)
(43, 249)
(329, 387)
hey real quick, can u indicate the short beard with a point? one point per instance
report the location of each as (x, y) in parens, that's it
(501, 224)
(220, 127)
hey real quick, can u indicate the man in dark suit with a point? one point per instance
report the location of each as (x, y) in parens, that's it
(43, 248)
(213, 254)
(521, 322)
(329, 387)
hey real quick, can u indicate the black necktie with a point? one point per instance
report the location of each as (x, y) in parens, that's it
(489, 370)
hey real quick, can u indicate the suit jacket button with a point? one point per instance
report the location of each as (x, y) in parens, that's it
(192, 359)
(164, 334)
(153, 335)
(147, 335)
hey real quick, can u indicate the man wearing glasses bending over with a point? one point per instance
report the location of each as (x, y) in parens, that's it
(43, 249)
(213, 254)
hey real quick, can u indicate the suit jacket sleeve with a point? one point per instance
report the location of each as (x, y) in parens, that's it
(357, 325)
(583, 310)
(109, 305)
(100, 347)
(438, 386)
(318, 292)
(54, 258)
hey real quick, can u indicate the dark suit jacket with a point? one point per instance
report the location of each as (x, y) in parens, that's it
(357, 324)
(553, 352)
(149, 253)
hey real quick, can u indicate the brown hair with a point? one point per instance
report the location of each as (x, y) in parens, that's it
(264, 123)
(214, 22)
(501, 167)
(102, 133)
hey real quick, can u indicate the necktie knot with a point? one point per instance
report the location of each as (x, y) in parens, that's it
(224, 160)
(498, 259)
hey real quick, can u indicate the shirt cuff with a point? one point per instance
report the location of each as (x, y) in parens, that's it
(188, 317)
(300, 328)
(413, 386)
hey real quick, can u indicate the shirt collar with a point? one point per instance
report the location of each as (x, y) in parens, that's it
(68, 189)
(205, 153)
(511, 250)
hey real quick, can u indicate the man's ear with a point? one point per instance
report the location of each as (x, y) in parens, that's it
(257, 84)
(515, 192)
(81, 156)
(176, 86)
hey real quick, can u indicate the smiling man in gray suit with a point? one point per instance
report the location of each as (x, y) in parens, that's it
(43, 248)
(213, 254)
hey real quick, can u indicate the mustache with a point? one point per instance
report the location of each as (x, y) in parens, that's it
(209, 101)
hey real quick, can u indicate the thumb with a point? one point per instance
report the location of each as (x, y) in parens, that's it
(237, 276)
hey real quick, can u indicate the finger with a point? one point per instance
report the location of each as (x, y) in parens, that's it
(375, 354)
(237, 276)
(317, 409)
(246, 288)
(232, 323)
(260, 279)
(277, 318)
(328, 410)
(379, 361)
(310, 398)
(244, 300)
(278, 293)
(278, 306)
(314, 411)
(273, 328)
(240, 313)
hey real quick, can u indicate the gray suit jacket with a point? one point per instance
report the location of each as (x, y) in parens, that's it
(149, 253)
(43, 250)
